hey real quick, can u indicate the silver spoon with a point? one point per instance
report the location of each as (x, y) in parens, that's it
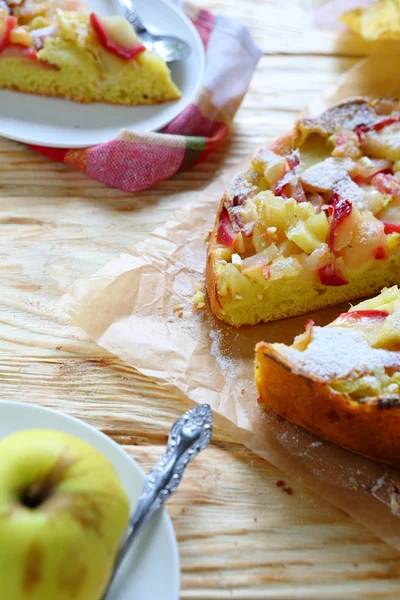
(189, 435)
(170, 48)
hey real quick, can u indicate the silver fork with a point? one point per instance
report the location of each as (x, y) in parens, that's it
(170, 48)
(189, 435)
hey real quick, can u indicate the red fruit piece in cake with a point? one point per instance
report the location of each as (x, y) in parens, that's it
(301, 341)
(381, 253)
(367, 241)
(347, 145)
(226, 233)
(289, 185)
(368, 321)
(117, 35)
(386, 184)
(385, 123)
(266, 272)
(361, 130)
(365, 169)
(16, 51)
(6, 26)
(344, 221)
(360, 314)
(380, 140)
(340, 234)
(331, 275)
(309, 325)
(293, 160)
(391, 228)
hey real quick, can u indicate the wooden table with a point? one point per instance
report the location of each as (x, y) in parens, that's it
(240, 536)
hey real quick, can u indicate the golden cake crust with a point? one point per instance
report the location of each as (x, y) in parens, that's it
(370, 428)
(81, 100)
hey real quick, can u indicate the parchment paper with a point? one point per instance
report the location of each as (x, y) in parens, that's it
(128, 308)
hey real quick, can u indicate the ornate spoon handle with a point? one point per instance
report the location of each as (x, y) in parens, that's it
(189, 435)
(132, 15)
(135, 20)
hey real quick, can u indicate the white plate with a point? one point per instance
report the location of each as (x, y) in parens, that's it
(151, 571)
(64, 124)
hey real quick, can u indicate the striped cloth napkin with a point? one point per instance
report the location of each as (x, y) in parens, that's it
(135, 161)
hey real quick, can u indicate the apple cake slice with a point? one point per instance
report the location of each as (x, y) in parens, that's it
(341, 381)
(56, 48)
(314, 221)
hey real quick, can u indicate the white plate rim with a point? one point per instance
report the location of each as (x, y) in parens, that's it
(158, 123)
(109, 443)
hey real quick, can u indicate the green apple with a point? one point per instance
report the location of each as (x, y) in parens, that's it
(63, 512)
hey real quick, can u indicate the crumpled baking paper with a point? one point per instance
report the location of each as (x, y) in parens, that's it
(140, 307)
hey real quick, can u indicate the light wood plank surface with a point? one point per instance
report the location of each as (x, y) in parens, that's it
(240, 536)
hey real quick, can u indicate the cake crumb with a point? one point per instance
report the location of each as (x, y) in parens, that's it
(177, 308)
(170, 319)
(180, 314)
(199, 299)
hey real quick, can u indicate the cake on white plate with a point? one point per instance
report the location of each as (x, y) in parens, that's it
(58, 48)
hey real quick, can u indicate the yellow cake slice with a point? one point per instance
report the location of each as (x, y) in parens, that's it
(314, 221)
(341, 381)
(57, 48)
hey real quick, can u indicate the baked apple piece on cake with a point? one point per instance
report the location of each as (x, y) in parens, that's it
(56, 48)
(314, 221)
(341, 381)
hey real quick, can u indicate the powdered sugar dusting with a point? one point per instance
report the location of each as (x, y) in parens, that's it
(347, 189)
(388, 137)
(367, 230)
(240, 187)
(395, 321)
(339, 352)
(324, 175)
(348, 115)
(226, 363)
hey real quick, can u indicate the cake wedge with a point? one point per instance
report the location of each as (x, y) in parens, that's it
(341, 381)
(315, 219)
(57, 48)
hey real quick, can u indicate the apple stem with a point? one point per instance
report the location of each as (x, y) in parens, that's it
(34, 496)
